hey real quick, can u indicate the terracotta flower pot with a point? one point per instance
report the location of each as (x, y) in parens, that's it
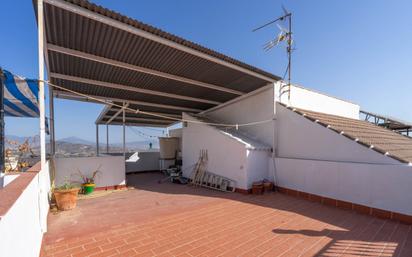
(268, 186)
(257, 188)
(66, 199)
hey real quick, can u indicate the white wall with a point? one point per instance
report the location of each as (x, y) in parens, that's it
(258, 166)
(311, 100)
(22, 227)
(112, 169)
(177, 133)
(44, 194)
(227, 157)
(385, 187)
(256, 107)
(301, 138)
(145, 161)
(6, 179)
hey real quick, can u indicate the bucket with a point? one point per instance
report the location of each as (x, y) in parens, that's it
(88, 188)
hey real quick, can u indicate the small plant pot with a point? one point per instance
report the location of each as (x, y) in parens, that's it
(66, 199)
(268, 186)
(88, 188)
(257, 188)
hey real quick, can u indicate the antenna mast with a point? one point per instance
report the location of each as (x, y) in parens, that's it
(289, 50)
(284, 35)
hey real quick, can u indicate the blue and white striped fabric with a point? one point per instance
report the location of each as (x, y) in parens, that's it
(20, 96)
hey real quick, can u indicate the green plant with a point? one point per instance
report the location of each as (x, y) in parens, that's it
(16, 153)
(66, 185)
(89, 179)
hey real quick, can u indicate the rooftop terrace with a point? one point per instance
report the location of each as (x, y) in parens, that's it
(178, 220)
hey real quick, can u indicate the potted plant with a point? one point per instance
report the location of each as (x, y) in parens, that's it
(66, 196)
(88, 182)
(257, 188)
(17, 155)
(267, 185)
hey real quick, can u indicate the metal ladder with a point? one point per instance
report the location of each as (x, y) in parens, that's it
(201, 177)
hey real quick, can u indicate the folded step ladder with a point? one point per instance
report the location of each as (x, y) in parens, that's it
(201, 177)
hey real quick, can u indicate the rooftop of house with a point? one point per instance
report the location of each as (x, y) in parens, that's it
(177, 220)
(382, 140)
(387, 121)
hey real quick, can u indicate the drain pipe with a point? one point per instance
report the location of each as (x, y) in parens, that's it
(275, 140)
(274, 166)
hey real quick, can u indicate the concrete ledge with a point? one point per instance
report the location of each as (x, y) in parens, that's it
(24, 207)
(362, 209)
(13, 191)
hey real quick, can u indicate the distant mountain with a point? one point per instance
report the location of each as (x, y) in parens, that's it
(15, 138)
(76, 140)
(131, 145)
(34, 140)
(136, 145)
(75, 146)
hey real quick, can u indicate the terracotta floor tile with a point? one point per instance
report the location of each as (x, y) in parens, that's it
(128, 253)
(178, 220)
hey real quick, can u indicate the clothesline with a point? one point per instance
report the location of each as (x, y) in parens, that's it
(233, 125)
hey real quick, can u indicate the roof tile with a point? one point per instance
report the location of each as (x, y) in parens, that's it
(383, 140)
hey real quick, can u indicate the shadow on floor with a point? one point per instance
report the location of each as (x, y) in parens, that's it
(353, 233)
(359, 244)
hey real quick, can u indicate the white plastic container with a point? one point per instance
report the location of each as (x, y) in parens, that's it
(168, 147)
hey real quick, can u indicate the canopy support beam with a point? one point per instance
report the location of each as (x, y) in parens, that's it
(145, 119)
(131, 88)
(176, 116)
(124, 128)
(97, 140)
(136, 68)
(107, 138)
(71, 96)
(40, 36)
(141, 124)
(118, 112)
(51, 121)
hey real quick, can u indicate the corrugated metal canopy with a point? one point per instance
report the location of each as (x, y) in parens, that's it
(95, 51)
(113, 115)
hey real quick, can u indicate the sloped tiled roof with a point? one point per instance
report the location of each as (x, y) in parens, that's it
(240, 136)
(380, 139)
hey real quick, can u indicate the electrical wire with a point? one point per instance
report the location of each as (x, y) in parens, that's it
(157, 130)
(237, 125)
(286, 71)
(140, 133)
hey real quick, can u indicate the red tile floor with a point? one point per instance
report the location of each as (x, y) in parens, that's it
(177, 220)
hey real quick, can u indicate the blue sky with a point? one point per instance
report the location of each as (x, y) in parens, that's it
(360, 51)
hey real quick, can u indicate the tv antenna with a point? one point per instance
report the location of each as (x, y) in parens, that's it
(284, 35)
